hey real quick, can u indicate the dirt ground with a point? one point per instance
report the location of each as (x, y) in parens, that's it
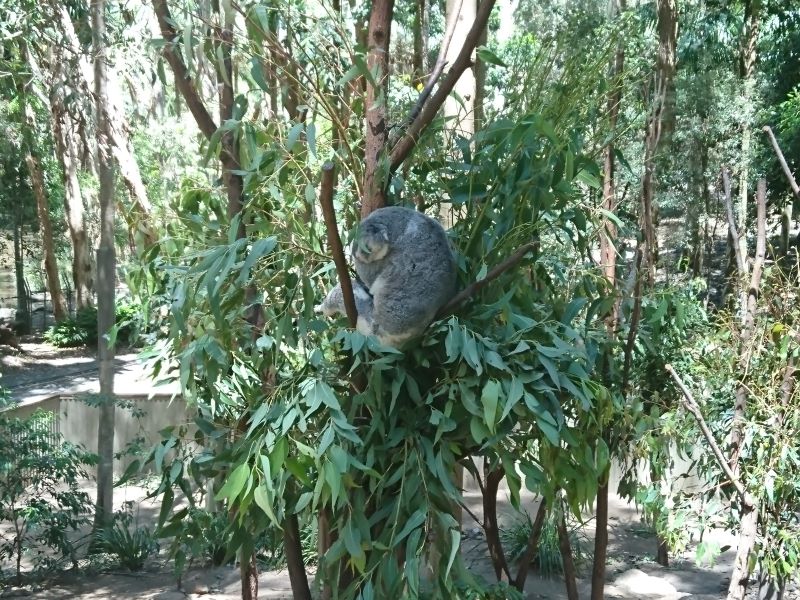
(631, 574)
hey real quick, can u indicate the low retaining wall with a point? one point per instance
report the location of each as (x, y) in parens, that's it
(77, 422)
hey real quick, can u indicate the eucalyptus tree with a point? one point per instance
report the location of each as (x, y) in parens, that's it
(300, 418)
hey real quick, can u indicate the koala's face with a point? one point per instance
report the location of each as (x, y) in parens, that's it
(372, 243)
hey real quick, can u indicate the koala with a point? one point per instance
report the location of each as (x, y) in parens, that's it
(333, 305)
(407, 273)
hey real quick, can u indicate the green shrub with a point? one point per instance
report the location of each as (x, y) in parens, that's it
(81, 330)
(200, 536)
(131, 546)
(40, 495)
(548, 556)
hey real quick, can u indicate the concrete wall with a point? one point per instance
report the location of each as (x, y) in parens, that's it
(77, 421)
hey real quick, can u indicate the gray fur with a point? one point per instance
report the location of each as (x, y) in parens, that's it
(333, 305)
(404, 259)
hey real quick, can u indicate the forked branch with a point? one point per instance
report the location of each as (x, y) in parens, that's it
(463, 61)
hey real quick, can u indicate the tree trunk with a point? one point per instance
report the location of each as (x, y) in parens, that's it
(421, 35)
(42, 201)
(248, 573)
(294, 558)
(229, 157)
(461, 114)
(747, 539)
(608, 262)
(106, 275)
(46, 228)
(748, 327)
(533, 546)
(665, 70)
(140, 217)
(770, 588)
(570, 573)
(22, 320)
(66, 142)
(380, 28)
(491, 526)
(747, 63)
(600, 543)
(479, 68)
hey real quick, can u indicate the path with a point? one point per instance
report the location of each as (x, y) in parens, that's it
(44, 371)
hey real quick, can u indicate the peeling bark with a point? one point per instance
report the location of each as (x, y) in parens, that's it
(65, 136)
(46, 228)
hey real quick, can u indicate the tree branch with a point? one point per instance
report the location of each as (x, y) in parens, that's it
(782, 160)
(472, 289)
(691, 406)
(182, 78)
(335, 242)
(463, 61)
(634, 326)
(438, 68)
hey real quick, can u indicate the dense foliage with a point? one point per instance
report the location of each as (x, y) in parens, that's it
(40, 494)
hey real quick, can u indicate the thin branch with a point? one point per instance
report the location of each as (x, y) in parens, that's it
(726, 186)
(634, 326)
(690, 405)
(475, 287)
(567, 559)
(472, 514)
(782, 160)
(335, 242)
(463, 61)
(438, 68)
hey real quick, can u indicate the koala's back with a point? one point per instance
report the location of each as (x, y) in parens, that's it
(416, 277)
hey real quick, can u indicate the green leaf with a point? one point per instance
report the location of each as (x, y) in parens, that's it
(321, 393)
(260, 248)
(589, 179)
(352, 541)
(264, 502)
(478, 430)
(258, 74)
(294, 135)
(489, 400)
(455, 544)
(351, 74)
(235, 483)
(414, 521)
(311, 139)
(489, 57)
(550, 431)
(515, 391)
